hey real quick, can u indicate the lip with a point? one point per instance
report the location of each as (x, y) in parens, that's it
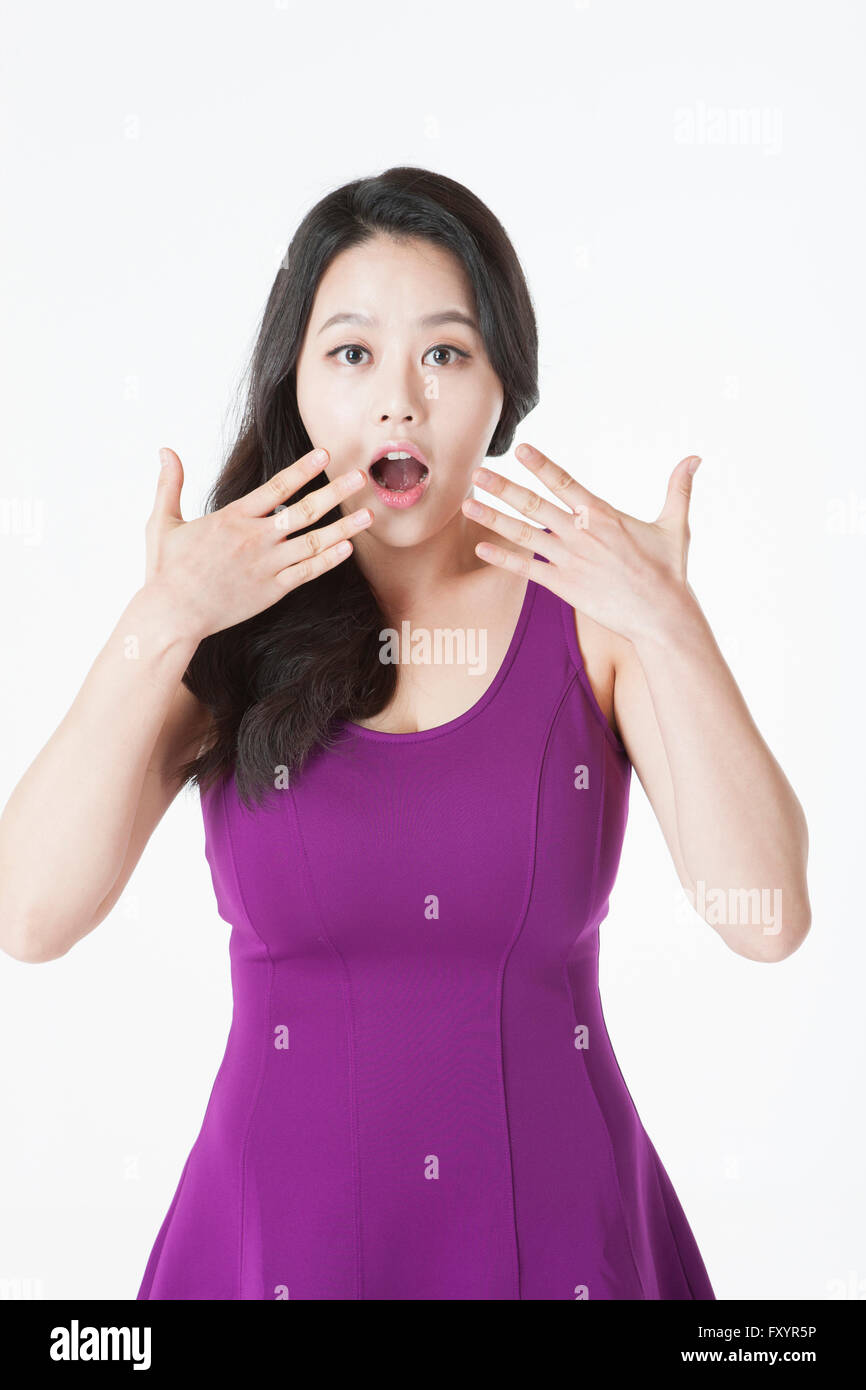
(404, 446)
(400, 500)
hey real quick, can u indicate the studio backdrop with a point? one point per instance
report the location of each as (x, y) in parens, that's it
(683, 187)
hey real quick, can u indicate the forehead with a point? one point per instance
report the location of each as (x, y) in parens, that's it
(390, 279)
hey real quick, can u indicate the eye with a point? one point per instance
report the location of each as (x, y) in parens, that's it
(446, 347)
(347, 347)
(439, 347)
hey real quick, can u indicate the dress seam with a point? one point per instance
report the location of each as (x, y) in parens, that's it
(521, 922)
(257, 1089)
(586, 1072)
(350, 1040)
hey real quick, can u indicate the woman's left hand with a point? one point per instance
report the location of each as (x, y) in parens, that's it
(623, 573)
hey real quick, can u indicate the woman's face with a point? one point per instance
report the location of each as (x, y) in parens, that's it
(390, 377)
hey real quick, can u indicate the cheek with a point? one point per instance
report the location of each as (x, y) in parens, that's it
(326, 408)
(473, 402)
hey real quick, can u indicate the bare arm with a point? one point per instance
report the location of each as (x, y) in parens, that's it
(78, 820)
(735, 829)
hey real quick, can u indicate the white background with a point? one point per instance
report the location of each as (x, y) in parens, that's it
(699, 288)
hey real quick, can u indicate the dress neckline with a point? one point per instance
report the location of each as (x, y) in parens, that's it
(421, 735)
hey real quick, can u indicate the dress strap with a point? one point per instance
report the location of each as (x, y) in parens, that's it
(566, 641)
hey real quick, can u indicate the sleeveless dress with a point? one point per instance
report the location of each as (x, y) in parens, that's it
(418, 1097)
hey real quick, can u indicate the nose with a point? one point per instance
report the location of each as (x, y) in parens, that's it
(396, 408)
(399, 396)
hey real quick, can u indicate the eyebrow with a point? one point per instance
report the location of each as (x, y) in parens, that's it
(429, 320)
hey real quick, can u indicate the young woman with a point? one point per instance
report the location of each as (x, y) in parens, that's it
(412, 720)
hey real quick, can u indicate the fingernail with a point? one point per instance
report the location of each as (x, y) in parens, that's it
(163, 458)
(693, 463)
(320, 455)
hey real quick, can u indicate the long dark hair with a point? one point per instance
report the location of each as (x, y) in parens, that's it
(276, 683)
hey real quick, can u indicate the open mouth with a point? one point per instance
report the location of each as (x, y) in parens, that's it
(399, 472)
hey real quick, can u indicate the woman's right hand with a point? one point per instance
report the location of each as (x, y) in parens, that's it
(230, 564)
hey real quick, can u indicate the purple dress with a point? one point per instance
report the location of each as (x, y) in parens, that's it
(418, 1097)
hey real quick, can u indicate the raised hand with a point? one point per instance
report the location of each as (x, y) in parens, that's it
(620, 571)
(233, 563)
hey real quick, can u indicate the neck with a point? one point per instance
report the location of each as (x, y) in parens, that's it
(406, 579)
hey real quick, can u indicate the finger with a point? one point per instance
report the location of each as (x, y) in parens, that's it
(282, 485)
(557, 481)
(314, 505)
(168, 487)
(294, 575)
(676, 506)
(520, 562)
(521, 532)
(298, 548)
(522, 499)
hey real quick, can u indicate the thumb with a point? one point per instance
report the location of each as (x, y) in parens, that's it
(167, 503)
(676, 507)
